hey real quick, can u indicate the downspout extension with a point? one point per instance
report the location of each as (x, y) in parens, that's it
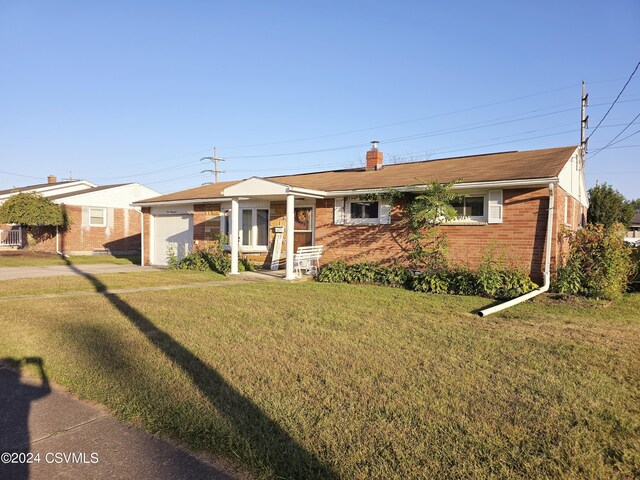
(58, 245)
(547, 266)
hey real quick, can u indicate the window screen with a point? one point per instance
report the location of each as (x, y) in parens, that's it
(96, 216)
(364, 210)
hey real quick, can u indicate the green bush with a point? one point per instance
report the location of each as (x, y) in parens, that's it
(634, 284)
(598, 264)
(490, 281)
(333, 272)
(203, 260)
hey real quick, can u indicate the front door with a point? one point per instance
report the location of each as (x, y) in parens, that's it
(302, 227)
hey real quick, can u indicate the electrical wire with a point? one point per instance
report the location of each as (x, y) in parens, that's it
(615, 101)
(611, 142)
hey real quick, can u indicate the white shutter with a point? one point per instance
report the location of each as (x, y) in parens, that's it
(338, 211)
(85, 216)
(384, 212)
(109, 221)
(495, 207)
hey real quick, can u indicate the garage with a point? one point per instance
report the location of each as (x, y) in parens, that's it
(171, 231)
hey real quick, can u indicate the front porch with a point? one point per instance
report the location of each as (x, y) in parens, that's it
(245, 227)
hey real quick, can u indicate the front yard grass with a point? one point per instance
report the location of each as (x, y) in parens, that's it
(108, 281)
(343, 381)
(36, 259)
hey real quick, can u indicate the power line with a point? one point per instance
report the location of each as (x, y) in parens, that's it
(20, 175)
(616, 100)
(403, 122)
(614, 138)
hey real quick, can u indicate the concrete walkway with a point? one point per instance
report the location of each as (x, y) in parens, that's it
(77, 440)
(12, 273)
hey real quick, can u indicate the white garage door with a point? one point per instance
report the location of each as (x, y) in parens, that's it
(171, 231)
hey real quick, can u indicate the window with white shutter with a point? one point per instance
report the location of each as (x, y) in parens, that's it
(495, 206)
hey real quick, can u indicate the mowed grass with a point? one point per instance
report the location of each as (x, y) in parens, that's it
(340, 381)
(107, 281)
(36, 259)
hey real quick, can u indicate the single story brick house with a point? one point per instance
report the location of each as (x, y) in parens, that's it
(102, 218)
(505, 200)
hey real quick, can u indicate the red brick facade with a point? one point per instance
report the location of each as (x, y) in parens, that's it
(120, 236)
(519, 240)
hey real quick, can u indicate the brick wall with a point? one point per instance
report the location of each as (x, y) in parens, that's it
(120, 236)
(520, 239)
(146, 214)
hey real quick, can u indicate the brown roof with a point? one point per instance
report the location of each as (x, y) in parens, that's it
(32, 187)
(502, 166)
(87, 190)
(476, 168)
(198, 193)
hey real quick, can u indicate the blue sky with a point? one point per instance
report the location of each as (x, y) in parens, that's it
(138, 91)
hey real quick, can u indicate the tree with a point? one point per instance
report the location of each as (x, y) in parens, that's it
(608, 206)
(32, 209)
(425, 209)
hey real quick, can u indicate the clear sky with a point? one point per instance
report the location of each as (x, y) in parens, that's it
(121, 91)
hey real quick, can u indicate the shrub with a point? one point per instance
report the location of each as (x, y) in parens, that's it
(634, 284)
(598, 264)
(490, 281)
(333, 272)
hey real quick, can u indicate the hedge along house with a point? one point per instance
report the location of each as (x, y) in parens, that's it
(102, 219)
(505, 200)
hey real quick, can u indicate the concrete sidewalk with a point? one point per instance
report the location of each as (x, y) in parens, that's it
(77, 440)
(12, 273)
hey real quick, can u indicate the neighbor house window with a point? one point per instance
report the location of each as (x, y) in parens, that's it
(469, 208)
(97, 217)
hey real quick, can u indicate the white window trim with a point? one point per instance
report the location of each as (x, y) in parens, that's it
(477, 219)
(104, 217)
(359, 221)
(254, 247)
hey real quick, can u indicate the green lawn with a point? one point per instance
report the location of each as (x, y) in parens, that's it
(33, 259)
(325, 381)
(108, 281)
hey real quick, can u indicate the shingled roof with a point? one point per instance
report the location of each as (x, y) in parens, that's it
(503, 166)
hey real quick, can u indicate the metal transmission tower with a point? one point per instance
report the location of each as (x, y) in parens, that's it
(213, 170)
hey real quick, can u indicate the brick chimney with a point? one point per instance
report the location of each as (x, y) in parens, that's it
(52, 179)
(374, 157)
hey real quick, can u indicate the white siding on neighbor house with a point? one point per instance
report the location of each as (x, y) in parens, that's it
(116, 197)
(55, 189)
(571, 179)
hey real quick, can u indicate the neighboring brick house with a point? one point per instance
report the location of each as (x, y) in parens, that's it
(504, 210)
(102, 218)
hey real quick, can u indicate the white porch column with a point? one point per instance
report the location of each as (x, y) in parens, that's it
(233, 235)
(290, 274)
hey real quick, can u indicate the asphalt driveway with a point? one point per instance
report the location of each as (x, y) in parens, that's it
(12, 273)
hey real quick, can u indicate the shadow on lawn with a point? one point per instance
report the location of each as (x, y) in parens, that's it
(269, 443)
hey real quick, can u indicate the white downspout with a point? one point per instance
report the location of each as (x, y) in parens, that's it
(58, 244)
(546, 271)
(141, 238)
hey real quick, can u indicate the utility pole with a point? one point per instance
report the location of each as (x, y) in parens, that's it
(584, 122)
(214, 170)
